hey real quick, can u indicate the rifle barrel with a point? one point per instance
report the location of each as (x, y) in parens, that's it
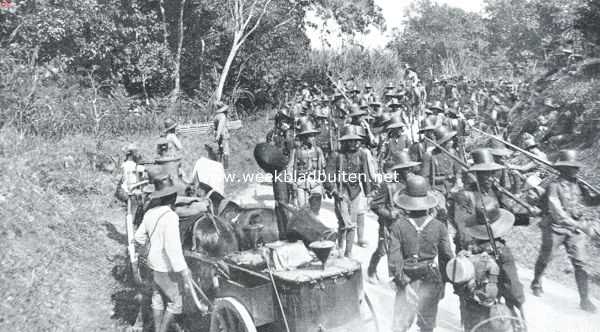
(538, 159)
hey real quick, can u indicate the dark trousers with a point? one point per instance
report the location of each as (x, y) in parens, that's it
(381, 250)
(574, 243)
(425, 307)
(281, 194)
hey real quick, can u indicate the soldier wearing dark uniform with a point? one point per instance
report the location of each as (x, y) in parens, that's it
(415, 240)
(481, 299)
(395, 143)
(307, 162)
(326, 139)
(282, 136)
(440, 169)
(418, 149)
(383, 205)
(470, 207)
(563, 225)
(350, 178)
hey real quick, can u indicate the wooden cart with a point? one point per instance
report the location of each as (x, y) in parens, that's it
(308, 299)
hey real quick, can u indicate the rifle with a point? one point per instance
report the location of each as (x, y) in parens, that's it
(497, 185)
(539, 160)
(486, 219)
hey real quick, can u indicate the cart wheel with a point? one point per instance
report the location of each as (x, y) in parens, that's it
(229, 315)
(368, 314)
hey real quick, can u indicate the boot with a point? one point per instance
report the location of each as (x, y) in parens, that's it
(157, 316)
(581, 278)
(536, 284)
(315, 204)
(168, 319)
(360, 225)
(349, 242)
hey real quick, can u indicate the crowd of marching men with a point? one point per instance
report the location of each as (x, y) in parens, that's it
(454, 174)
(457, 188)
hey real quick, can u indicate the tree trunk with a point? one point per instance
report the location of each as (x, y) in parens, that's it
(177, 89)
(225, 72)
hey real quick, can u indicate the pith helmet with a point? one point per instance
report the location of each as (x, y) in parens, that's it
(170, 124)
(443, 134)
(307, 128)
(436, 106)
(417, 196)
(498, 148)
(395, 122)
(383, 119)
(483, 160)
(500, 220)
(402, 160)
(348, 133)
(427, 124)
(567, 158)
(355, 110)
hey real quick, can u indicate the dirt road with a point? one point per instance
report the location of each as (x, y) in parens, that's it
(557, 311)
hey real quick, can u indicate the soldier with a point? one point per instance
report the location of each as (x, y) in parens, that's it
(171, 136)
(470, 206)
(368, 95)
(563, 225)
(307, 163)
(442, 171)
(326, 139)
(132, 171)
(358, 117)
(426, 129)
(170, 165)
(222, 133)
(498, 279)
(350, 178)
(395, 143)
(282, 136)
(415, 240)
(383, 205)
(170, 273)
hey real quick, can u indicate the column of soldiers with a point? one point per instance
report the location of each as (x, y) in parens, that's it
(408, 155)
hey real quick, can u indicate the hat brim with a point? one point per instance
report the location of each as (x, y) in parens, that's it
(395, 125)
(427, 129)
(447, 137)
(350, 137)
(309, 132)
(375, 104)
(353, 115)
(434, 108)
(501, 152)
(485, 167)
(574, 164)
(500, 227)
(406, 165)
(411, 203)
(165, 192)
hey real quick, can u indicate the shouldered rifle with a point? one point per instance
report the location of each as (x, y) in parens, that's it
(338, 88)
(495, 182)
(542, 161)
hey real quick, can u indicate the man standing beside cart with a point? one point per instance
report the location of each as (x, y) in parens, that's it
(160, 232)
(415, 240)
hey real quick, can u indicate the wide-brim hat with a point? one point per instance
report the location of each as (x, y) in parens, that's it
(443, 134)
(484, 161)
(568, 158)
(500, 224)
(413, 203)
(498, 148)
(357, 112)
(436, 106)
(350, 137)
(395, 103)
(375, 103)
(404, 165)
(417, 196)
